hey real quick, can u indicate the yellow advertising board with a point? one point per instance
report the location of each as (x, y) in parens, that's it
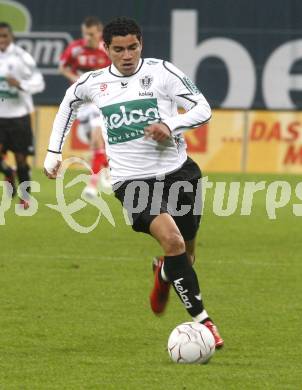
(222, 143)
(251, 141)
(233, 141)
(274, 142)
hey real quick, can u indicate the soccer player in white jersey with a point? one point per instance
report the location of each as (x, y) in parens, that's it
(138, 98)
(19, 79)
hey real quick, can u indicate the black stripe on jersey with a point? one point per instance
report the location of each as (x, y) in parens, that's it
(175, 74)
(71, 111)
(52, 151)
(81, 83)
(192, 126)
(65, 127)
(185, 96)
(130, 74)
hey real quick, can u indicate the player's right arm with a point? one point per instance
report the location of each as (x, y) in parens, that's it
(74, 97)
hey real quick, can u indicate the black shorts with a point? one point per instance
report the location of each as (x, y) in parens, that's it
(16, 135)
(144, 199)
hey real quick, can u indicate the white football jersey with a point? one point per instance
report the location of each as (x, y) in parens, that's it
(128, 104)
(17, 63)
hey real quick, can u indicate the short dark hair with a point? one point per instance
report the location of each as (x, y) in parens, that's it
(121, 26)
(6, 25)
(90, 21)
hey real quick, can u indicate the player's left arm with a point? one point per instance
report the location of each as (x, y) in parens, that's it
(31, 80)
(182, 90)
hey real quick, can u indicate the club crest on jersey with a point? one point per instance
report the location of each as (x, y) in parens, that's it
(124, 84)
(146, 82)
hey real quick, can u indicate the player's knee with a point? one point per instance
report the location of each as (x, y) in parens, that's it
(173, 244)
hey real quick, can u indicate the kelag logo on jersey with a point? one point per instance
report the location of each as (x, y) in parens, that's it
(126, 121)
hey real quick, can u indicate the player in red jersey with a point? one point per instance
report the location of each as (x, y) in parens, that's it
(80, 56)
(86, 54)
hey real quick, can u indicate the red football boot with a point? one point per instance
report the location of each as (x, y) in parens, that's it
(213, 329)
(160, 293)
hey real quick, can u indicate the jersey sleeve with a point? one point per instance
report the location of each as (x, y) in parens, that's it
(32, 81)
(76, 95)
(181, 89)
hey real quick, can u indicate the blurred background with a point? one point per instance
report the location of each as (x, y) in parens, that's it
(245, 56)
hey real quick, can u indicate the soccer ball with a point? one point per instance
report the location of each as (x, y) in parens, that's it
(191, 342)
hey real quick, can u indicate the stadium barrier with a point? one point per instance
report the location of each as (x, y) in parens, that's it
(234, 141)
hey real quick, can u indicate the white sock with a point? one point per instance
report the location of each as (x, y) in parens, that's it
(201, 317)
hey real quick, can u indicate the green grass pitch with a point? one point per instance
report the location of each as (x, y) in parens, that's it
(74, 308)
